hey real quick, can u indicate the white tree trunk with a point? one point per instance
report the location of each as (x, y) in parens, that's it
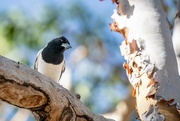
(151, 64)
(176, 35)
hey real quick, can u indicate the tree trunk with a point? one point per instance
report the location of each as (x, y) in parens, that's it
(151, 64)
(176, 34)
(49, 101)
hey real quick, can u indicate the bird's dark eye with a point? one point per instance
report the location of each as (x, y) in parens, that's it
(62, 41)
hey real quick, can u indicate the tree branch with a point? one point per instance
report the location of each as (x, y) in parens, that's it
(26, 88)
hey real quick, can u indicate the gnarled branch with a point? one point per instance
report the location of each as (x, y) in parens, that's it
(26, 88)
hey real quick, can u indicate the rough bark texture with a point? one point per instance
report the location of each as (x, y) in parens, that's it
(49, 101)
(151, 64)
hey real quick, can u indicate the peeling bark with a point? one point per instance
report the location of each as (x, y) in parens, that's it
(49, 101)
(151, 65)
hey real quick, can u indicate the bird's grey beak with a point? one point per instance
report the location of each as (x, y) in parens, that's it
(66, 45)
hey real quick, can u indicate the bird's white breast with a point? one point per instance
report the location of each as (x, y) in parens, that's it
(50, 70)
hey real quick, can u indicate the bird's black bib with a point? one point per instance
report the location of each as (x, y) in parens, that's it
(51, 56)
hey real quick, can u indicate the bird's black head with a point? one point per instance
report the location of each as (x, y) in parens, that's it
(53, 52)
(59, 44)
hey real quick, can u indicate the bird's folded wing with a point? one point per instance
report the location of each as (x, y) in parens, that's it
(63, 69)
(36, 61)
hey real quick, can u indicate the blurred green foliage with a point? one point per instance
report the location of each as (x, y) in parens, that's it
(97, 78)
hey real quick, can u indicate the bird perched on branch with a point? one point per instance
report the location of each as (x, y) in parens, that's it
(50, 60)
